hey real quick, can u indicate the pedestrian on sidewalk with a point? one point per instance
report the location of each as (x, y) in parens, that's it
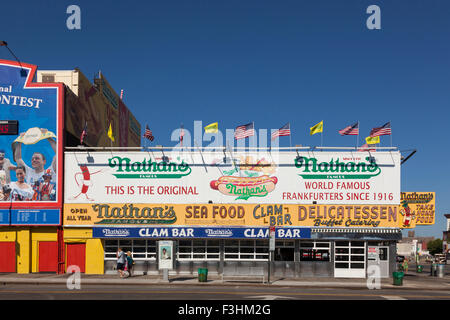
(405, 265)
(121, 260)
(130, 263)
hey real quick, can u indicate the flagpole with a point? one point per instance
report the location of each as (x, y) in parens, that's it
(390, 124)
(357, 138)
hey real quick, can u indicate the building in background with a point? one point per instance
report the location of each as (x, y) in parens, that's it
(411, 246)
(446, 239)
(96, 106)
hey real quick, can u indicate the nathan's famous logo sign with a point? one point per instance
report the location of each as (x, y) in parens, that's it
(120, 214)
(417, 208)
(252, 178)
(335, 169)
(147, 169)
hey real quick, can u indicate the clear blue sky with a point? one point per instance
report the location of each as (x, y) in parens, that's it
(264, 61)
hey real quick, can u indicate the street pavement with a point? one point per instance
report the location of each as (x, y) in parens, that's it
(412, 280)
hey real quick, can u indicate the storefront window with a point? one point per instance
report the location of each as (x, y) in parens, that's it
(140, 249)
(284, 250)
(352, 252)
(198, 250)
(315, 251)
(247, 250)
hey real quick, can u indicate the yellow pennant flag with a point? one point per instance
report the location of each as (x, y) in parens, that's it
(373, 140)
(212, 128)
(317, 128)
(110, 133)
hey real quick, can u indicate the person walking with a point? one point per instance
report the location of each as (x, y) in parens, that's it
(405, 265)
(130, 263)
(121, 260)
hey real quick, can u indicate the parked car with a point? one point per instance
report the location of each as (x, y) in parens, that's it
(400, 259)
(439, 258)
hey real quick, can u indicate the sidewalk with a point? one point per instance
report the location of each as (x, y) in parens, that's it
(412, 280)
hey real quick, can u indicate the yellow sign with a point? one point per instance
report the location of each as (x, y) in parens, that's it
(417, 208)
(249, 215)
(373, 140)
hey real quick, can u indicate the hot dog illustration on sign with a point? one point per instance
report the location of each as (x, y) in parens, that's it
(254, 180)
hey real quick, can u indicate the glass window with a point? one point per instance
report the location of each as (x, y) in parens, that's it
(248, 250)
(358, 251)
(140, 249)
(314, 251)
(306, 244)
(340, 265)
(198, 250)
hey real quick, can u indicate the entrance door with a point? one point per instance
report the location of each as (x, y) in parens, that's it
(384, 261)
(48, 256)
(8, 254)
(350, 259)
(76, 256)
(379, 257)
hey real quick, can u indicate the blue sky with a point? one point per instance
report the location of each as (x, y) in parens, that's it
(264, 61)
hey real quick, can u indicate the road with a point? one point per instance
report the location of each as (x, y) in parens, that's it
(222, 293)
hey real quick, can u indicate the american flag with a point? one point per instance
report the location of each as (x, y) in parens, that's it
(181, 134)
(84, 133)
(244, 131)
(352, 130)
(283, 131)
(366, 147)
(384, 130)
(148, 133)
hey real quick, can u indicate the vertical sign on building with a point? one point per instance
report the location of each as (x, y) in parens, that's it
(272, 238)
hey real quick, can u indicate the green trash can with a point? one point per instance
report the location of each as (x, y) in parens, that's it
(419, 268)
(202, 275)
(398, 278)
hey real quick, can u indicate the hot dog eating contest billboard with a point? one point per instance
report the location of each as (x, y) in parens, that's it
(30, 152)
(242, 189)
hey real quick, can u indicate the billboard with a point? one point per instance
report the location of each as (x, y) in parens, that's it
(242, 178)
(417, 208)
(31, 157)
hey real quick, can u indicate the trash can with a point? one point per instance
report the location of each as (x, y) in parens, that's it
(419, 268)
(433, 270)
(398, 278)
(440, 270)
(202, 275)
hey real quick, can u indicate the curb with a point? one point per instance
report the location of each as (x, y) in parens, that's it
(158, 282)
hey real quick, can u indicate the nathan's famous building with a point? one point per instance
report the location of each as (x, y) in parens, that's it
(42, 113)
(308, 212)
(303, 212)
